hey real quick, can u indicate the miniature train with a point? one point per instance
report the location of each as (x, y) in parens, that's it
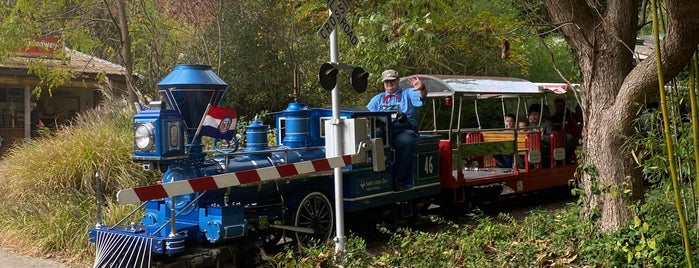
(210, 203)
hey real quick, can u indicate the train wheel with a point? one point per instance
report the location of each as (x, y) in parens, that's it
(314, 212)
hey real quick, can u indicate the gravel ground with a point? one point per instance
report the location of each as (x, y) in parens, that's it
(12, 260)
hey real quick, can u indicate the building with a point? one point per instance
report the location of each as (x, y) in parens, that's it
(81, 91)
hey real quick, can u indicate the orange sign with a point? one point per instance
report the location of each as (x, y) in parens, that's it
(44, 46)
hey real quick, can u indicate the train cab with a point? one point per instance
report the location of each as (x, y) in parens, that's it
(369, 184)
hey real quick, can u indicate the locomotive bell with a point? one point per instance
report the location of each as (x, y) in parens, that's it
(189, 89)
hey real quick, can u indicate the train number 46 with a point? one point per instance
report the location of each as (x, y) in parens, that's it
(429, 165)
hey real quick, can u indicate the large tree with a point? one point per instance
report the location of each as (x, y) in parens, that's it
(602, 35)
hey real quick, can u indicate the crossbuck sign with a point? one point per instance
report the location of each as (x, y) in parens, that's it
(337, 18)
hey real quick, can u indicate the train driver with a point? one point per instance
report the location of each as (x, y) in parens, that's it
(404, 128)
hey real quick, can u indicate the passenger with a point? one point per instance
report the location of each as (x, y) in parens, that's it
(510, 120)
(523, 125)
(544, 125)
(578, 117)
(564, 120)
(536, 120)
(506, 160)
(403, 129)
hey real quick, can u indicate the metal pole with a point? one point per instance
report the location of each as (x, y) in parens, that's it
(173, 215)
(337, 135)
(98, 191)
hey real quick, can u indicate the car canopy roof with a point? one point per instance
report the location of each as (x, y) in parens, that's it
(442, 86)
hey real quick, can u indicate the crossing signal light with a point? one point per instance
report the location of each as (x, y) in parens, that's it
(359, 79)
(327, 76)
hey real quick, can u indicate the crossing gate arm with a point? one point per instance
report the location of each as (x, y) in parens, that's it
(157, 191)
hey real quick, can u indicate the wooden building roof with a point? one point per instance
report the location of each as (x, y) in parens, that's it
(85, 69)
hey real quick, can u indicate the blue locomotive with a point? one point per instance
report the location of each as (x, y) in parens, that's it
(210, 203)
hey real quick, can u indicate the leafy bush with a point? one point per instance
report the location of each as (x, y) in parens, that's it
(653, 239)
(355, 255)
(542, 239)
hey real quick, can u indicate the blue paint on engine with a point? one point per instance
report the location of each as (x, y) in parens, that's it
(297, 126)
(222, 222)
(256, 136)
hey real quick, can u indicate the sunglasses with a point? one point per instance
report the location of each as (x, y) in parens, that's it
(390, 81)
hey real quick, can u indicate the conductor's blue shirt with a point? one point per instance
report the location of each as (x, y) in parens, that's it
(404, 100)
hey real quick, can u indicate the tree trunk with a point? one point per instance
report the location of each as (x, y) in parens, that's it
(125, 50)
(603, 39)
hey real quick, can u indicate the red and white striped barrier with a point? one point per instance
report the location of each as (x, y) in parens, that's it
(145, 193)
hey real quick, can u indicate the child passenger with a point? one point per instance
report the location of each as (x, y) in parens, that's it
(510, 120)
(523, 125)
(506, 160)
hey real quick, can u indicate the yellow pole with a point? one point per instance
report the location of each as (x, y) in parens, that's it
(695, 122)
(668, 140)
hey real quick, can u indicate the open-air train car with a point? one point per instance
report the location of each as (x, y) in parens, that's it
(468, 170)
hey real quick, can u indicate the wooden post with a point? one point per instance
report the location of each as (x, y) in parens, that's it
(27, 112)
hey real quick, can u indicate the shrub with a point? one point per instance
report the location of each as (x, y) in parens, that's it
(653, 239)
(543, 239)
(48, 184)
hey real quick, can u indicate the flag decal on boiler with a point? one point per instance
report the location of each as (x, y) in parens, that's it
(219, 122)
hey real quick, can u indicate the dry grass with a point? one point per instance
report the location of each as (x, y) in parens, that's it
(49, 199)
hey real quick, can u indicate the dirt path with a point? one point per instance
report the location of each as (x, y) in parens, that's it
(12, 260)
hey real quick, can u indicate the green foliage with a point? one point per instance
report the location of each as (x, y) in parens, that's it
(264, 46)
(544, 238)
(462, 38)
(548, 58)
(158, 41)
(355, 255)
(257, 47)
(50, 76)
(647, 144)
(89, 26)
(653, 239)
(25, 21)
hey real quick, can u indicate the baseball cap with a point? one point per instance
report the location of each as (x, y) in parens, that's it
(389, 75)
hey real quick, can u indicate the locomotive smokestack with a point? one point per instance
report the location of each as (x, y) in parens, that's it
(188, 89)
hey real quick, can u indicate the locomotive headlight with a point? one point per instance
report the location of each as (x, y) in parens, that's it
(143, 137)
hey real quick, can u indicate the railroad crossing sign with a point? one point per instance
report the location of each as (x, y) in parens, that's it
(337, 18)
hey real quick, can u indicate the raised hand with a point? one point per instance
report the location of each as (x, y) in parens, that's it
(416, 83)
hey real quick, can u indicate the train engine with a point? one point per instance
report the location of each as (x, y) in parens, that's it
(200, 212)
(215, 201)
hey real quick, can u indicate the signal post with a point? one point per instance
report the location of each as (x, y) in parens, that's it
(327, 77)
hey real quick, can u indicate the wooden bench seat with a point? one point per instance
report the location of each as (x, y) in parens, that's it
(480, 146)
(506, 136)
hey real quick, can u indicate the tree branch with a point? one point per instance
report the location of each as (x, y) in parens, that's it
(676, 48)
